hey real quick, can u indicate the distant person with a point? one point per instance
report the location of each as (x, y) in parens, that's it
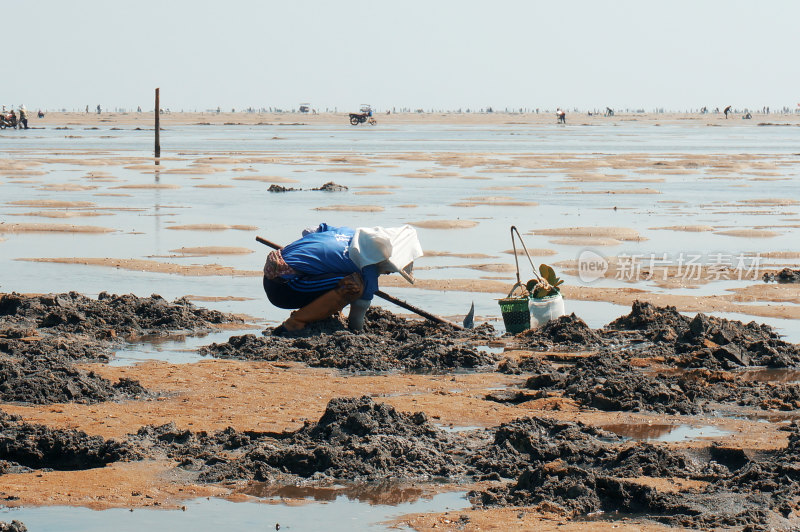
(87, 109)
(40, 114)
(98, 109)
(561, 116)
(139, 109)
(726, 111)
(23, 117)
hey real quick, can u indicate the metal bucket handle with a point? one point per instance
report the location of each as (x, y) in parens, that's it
(516, 260)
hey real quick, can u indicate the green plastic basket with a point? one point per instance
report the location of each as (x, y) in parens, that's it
(516, 316)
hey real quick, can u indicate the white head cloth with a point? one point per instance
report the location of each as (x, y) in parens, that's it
(399, 246)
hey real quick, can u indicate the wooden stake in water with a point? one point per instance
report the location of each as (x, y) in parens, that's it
(158, 128)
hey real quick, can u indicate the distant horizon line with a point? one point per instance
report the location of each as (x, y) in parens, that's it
(408, 110)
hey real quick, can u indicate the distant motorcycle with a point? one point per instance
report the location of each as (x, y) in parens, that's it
(360, 118)
(364, 116)
(8, 120)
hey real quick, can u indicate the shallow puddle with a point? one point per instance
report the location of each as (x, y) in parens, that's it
(457, 428)
(664, 432)
(296, 509)
(175, 349)
(782, 375)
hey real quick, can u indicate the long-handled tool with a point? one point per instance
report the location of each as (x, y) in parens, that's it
(387, 297)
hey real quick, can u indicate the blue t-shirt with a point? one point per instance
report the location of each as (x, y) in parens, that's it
(322, 260)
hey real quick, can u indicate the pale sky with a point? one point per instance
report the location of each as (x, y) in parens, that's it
(441, 54)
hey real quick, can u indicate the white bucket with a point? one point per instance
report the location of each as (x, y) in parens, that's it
(545, 309)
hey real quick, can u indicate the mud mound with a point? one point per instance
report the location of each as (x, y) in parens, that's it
(658, 324)
(757, 492)
(189, 447)
(26, 343)
(523, 441)
(38, 447)
(786, 275)
(529, 364)
(703, 341)
(566, 332)
(42, 336)
(48, 380)
(608, 382)
(715, 343)
(388, 343)
(356, 439)
(108, 315)
(578, 491)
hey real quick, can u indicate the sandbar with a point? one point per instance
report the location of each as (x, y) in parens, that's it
(265, 179)
(61, 214)
(55, 204)
(350, 208)
(212, 250)
(52, 228)
(534, 252)
(585, 241)
(684, 228)
(748, 233)
(139, 265)
(212, 227)
(444, 224)
(145, 186)
(617, 233)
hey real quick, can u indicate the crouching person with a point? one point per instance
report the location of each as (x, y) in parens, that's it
(332, 267)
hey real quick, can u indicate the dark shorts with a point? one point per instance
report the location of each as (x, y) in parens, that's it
(283, 296)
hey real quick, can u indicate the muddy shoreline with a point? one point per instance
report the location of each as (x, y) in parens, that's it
(545, 441)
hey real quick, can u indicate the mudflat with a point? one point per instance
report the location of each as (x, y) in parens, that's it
(672, 378)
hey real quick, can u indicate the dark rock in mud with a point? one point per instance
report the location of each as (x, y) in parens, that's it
(39, 447)
(13, 526)
(786, 275)
(330, 186)
(387, 343)
(565, 332)
(279, 188)
(355, 438)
